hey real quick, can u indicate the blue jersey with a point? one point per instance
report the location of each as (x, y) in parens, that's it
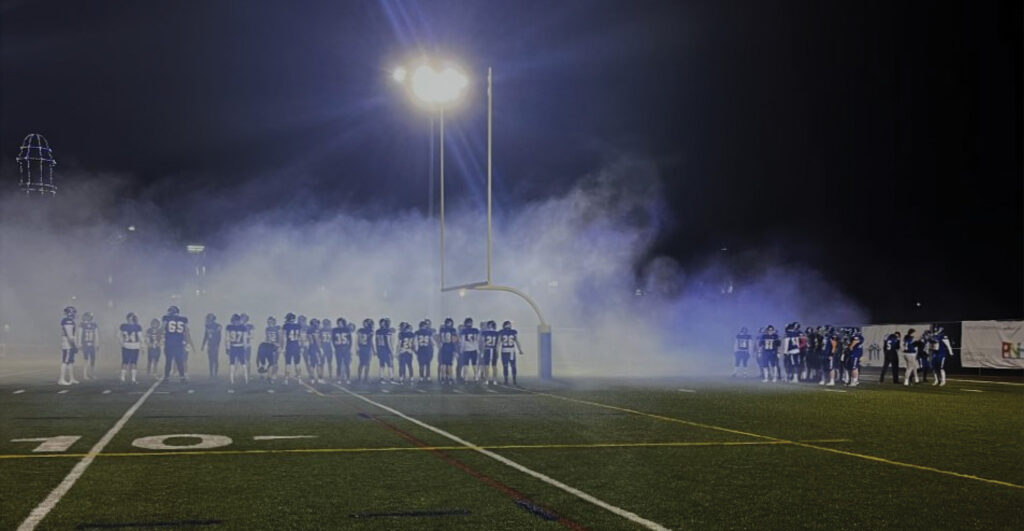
(406, 342)
(292, 335)
(272, 334)
(326, 337)
(449, 336)
(770, 343)
(383, 342)
(131, 335)
(857, 345)
(364, 337)
(312, 335)
(490, 338)
(792, 342)
(341, 337)
(940, 344)
(507, 338)
(892, 343)
(425, 338)
(90, 332)
(174, 330)
(236, 335)
(909, 344)
(742, 342)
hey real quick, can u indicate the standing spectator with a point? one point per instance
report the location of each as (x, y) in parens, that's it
(891, 349)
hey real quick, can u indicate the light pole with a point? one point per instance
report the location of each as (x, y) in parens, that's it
(438, 89)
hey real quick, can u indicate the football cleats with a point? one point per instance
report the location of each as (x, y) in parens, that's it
(210, 318)
(173, 310)
(70, 311)
(131, 318)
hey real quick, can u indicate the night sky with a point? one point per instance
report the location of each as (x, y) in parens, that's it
(877, 142)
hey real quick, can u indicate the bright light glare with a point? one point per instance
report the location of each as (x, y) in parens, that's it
(440, 88)
(399, 74)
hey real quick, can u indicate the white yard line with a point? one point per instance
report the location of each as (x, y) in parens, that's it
(972, 390)
(633, 517)
(18, 392)
(687, 390)
(51, 501)
(281, 437)
(984, 382)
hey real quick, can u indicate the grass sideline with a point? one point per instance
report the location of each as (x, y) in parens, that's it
(681, 453)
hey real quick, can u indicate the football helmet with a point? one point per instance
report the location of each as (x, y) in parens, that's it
(448, 321)
(87, 316)
(367, 323)
(154, 323)
(289, 317)
(236, 319)
(271, 321)
(468, 322)
(769, 329)
(404, 326)
(743, 330)
(341, 322)
(70, 311)
(210, 318)
(245, 317)
(507, 325)
(131, 318)
(173, 310)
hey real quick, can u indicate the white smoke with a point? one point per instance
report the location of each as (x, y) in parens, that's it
(582, 256)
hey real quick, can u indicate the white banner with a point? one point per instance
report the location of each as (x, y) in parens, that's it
(874, 340)
(992, 344)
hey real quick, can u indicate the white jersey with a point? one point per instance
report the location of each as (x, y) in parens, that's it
(67, 333)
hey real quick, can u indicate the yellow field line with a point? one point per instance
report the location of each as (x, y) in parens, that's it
(776, 439)
(423, 448)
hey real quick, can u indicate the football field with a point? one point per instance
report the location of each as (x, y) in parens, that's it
(594, 454)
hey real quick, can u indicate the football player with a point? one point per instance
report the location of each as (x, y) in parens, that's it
(910, 356)
(741, 348)
(856, 350)
(449, 337)
(489, 363)
(406, 349)
(248, 343)
(211, 344)
(90, 344)
(292, 347)
(425, 349)
(364, 345)
(923, 354)
(940, 350)
(236, 332)
(469, 348)
(68, 346)
(769, 343)
(313, 351)
(326, 349)
(153, 347)
(341, 337)
(266, 355)
(176, 337)
(508, 339)
(829, 343)
(131, 343)
(384, 346)
(890, 349)
(792, 346)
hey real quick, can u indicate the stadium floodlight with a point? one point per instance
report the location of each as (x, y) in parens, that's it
(131, 228)
(195, 249)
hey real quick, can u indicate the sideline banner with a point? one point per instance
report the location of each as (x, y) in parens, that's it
(992, 344)
(874, 339)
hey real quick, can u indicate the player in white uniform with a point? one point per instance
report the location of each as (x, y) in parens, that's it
(68, 347)
(131, 344)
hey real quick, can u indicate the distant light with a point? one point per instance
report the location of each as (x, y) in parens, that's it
(724, 249)
(74, 298)
(918, 304)
(553, 284)
(195, 249)
(131, 228)
(399, 74)
(462, 292)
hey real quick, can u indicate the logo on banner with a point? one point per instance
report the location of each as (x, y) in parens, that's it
(1011, 351)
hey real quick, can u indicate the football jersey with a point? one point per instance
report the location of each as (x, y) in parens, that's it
(326, 336)
(449, 336)
(383, 340)
(406, 341)
(341, 337)
(131, 335)
(490, 338)
(770, 343)
(212, 335)
(507, 340)
(940, 343)
(90, 332)
(248, 333)
(174, 330)
(236, 335)
(67, 334)
(292, 334)
(152, 337)
(425, 338)
(470, 339)
(856, 345)
(742, 342)
(312, 335)
(364, 337)
(792, 342)
(891, 343)
(272, 334)
(910, 344)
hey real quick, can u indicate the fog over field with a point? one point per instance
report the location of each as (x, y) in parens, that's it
(584, 255)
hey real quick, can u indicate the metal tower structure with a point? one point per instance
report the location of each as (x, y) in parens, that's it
(35, 166)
